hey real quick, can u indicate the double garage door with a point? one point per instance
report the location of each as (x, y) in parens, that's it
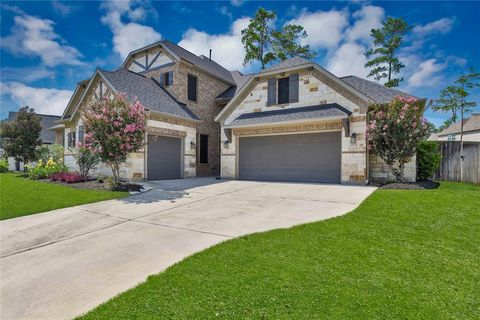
(314, 157)
(164, 158)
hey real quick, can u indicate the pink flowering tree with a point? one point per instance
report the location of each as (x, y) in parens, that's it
(114, 127)
(394, 131)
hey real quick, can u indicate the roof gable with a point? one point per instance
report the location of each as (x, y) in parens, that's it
(469, 124)
(180, 54)
(293, 65)
(145, 90)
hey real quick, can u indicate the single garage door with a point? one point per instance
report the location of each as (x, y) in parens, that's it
(164, 156)
(314, 157)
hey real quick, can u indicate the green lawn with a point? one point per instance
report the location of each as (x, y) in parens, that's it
(20, 196)
(401, 254)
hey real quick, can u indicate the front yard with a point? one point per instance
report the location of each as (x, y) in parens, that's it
(21, 196)
(401, 254)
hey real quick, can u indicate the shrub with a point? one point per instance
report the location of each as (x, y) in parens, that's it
(53, 151)
(395, 130)
(86, 159)
(428, 159)
(68, 177)
(45, 170)
(3, 166)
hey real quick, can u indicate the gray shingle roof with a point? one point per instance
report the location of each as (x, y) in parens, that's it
(201, 62)
(240, 80)
(375, 91)
(469, 124)
(290, 62)
(292, 114)
(46, 121)
(148, 92)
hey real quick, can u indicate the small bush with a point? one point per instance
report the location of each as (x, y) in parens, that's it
(428, 159)
(45, 170)
(86, 159)
(53, 151)
(3, 166)
(68, 177)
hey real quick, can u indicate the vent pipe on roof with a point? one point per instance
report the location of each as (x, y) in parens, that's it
(210, 55)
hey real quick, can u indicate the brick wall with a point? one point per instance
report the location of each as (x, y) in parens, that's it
(205, 108)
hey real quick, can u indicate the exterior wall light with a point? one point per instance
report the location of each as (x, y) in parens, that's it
(225, 144)
(192, 144)
(353, 138)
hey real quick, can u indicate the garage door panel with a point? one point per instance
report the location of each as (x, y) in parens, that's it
(297, 157)
(164, 157)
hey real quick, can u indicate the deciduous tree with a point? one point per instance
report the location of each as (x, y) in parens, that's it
(21, 136)
(114, 127)
(394, 131)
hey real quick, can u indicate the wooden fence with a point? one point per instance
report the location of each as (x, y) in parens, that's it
(450, 165)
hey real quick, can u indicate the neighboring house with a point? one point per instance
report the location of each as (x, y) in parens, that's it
(47, 136)
(471, 130)
(292, 122)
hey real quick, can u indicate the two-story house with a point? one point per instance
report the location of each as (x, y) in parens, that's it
(292, 122)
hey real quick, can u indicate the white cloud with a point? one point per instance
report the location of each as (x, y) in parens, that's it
(348, 59)
(366, 19)
(224, 11)
(43, 100)
(324, 28)
(426, 74)
(443, 26)
(129, 36)
(227, 48)
(26, 74)
(236, 3)
(33, 36)
(61, 8)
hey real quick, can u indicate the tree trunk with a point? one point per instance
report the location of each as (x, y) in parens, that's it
(116, 172)
(397, 170)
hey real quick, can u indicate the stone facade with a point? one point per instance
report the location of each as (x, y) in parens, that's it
(380, 172)
(312, 91)
(205, 107)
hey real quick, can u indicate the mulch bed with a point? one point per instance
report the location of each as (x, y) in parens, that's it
(99, 185)
(419, 185)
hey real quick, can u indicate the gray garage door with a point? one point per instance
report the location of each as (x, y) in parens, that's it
(164, 157)
(312, 157)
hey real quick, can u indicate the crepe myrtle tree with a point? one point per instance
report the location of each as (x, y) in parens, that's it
(114, 127)
(394, 131)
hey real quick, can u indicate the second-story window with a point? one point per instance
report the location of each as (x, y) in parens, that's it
(192, 88)
(166, 79)
(283, 91)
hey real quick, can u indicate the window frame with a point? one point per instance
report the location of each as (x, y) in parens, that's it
(191, 76)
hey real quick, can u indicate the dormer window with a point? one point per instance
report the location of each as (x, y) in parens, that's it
(166, 79)
(283, 90)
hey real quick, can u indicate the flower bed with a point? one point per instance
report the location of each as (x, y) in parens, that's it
(68, 177)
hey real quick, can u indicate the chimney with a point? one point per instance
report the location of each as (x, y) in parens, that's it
(210, 55)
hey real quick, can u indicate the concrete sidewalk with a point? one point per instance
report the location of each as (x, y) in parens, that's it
(62, 263)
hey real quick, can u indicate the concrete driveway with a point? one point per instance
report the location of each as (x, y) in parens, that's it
(62, 263)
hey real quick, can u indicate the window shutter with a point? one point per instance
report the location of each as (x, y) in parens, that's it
(73, 138)
(170, 78)
(80, 134)
(162, 80)
(293, 87)
(272, 92)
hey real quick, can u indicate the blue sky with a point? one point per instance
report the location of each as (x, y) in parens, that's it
(47, 47)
